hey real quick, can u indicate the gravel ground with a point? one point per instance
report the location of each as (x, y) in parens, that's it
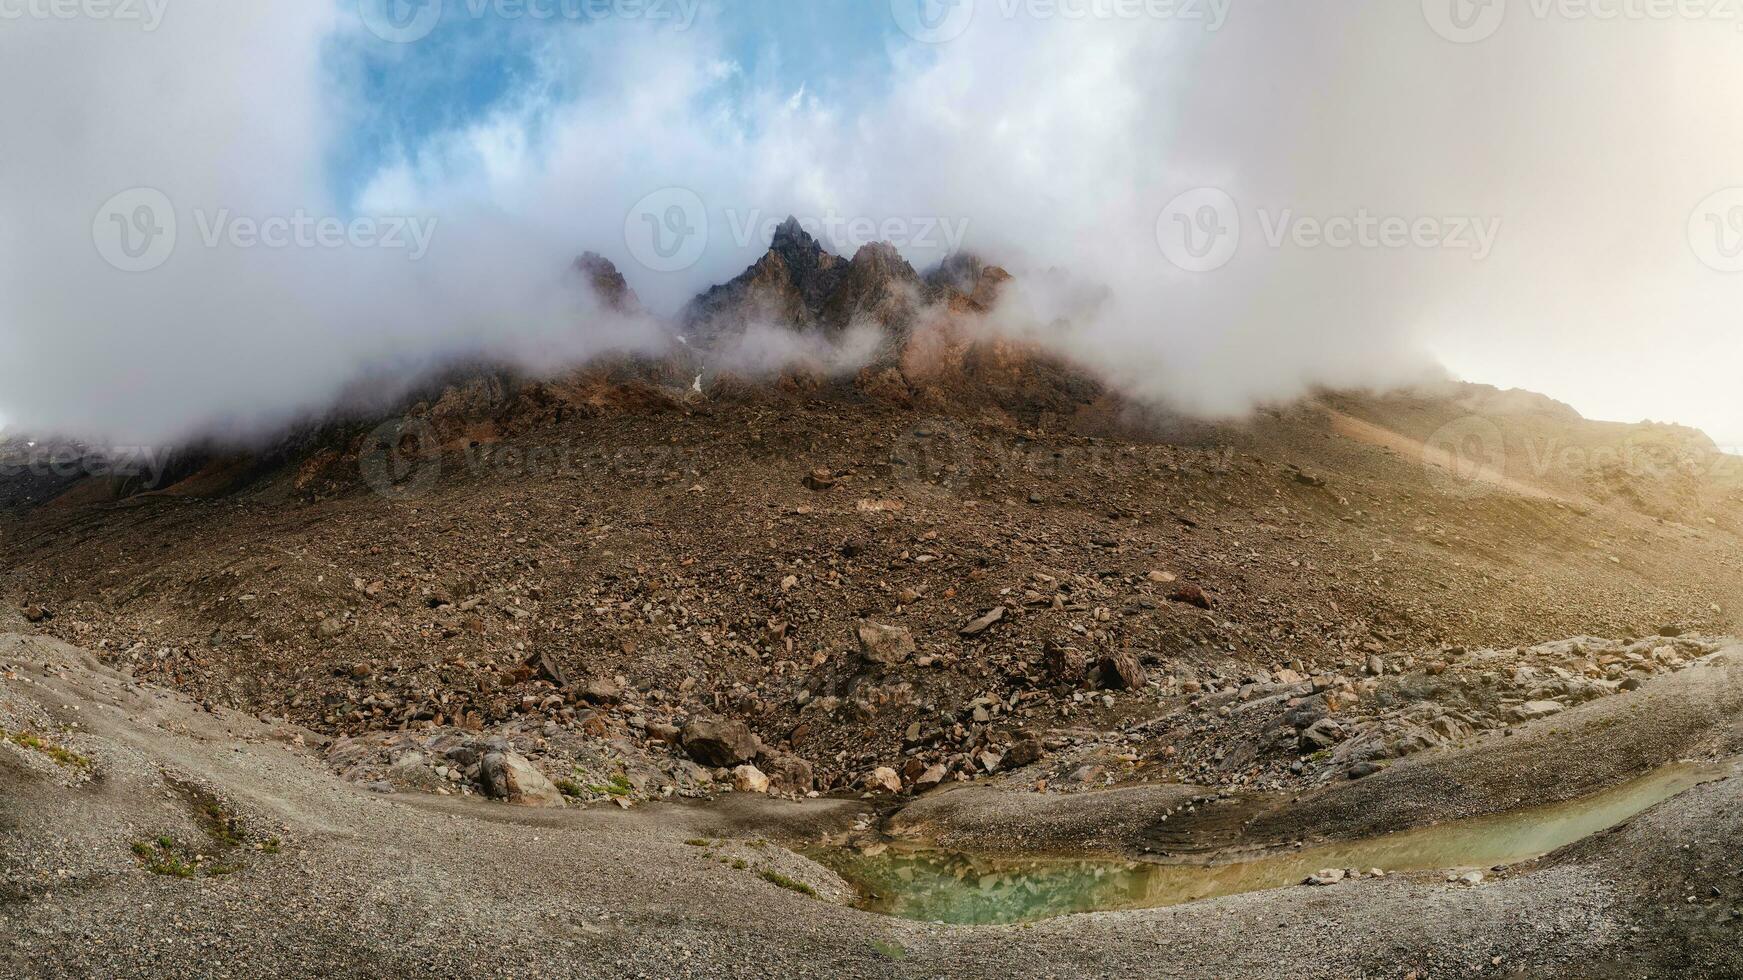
(1691, 714)
(328, 879)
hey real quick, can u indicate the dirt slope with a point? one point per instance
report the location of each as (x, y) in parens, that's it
(715, 555)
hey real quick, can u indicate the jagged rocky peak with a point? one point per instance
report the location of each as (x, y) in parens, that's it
(607, 283)
(801, 284)
(879, 286)
(801, 263)
(790, 237)
(882, 259)
(959, 271)
(965, 280)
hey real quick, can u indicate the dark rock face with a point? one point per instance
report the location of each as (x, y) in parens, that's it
(607, 283)
(787, 286)
(544, 668)
(1023, 752)
(800, 284)
(879, 286)
(813, 273)
(965, 283)
(1121, 672)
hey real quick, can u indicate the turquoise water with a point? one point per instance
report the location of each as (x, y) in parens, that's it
(969, 889)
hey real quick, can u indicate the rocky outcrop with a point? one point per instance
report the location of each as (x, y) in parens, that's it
(510, 777)
(965, 283)
(802, 285)
(879, 287)
(606, 282)
(788, 286)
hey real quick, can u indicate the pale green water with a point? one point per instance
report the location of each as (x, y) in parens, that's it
(967, 889)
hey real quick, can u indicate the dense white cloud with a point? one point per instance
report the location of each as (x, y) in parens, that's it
(1365, 158)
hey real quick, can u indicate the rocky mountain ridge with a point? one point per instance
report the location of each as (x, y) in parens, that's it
(803, 286)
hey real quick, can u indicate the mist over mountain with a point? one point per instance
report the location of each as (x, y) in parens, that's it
(875, 488)
(1080, 155)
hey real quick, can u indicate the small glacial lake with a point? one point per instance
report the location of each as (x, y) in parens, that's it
(968, 889)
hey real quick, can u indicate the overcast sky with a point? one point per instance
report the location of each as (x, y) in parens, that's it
(214, 215)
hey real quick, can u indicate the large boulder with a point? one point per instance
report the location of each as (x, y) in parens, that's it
(749, 779)
(719, 742)
(931, 777)
(1121, 672)
(1189, 594)
(1533, 710)
(1023, 752)
(1323, 734)
(886, 645)
(508, 776)
(884, 778)
(787, 772)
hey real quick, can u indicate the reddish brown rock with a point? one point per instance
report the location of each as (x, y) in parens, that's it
(1191, 595)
